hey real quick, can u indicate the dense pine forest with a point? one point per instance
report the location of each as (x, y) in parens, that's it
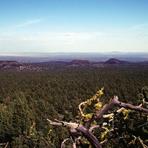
(27, 99)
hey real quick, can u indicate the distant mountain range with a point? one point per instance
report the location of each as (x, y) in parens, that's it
(93, 56)
(41, 66)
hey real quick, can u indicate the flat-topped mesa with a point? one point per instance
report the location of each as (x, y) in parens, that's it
(79, 62)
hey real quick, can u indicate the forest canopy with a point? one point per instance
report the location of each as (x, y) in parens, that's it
(27, 99)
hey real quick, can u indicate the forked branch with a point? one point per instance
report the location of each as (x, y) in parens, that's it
(87, 131)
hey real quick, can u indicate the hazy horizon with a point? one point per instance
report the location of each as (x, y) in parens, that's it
(46, 54)
(68, 56)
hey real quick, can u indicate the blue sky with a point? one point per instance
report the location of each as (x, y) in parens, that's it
(73, 26)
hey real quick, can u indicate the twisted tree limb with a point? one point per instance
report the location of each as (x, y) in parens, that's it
(87, 131)
(65, 140)
(115, 102)
(79, 128)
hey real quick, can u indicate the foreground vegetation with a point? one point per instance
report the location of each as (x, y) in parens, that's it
(27, 99)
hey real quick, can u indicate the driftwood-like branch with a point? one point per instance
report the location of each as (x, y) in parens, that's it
(87, 131)
(6, 145)
(94, 127)
(68, 139)
(79, 128)
(64, 141)
(115, 102)
(130, 106)
(89, 136)
(70, 125)
(141, 141)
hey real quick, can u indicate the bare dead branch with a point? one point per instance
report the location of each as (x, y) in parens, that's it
(94, 127)
(116, 102)
(74, 145)
(89, 136)
(71, 125)
(63, 143)
(141, 141)
(6, 145)
(86, 131)
(105, 108)
(132, 107)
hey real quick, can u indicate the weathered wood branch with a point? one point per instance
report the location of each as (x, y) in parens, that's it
(87, 131)
(130, 106)
(79, 128)
(68, 139)
(115, 102)
(94, 127)
(71, 125)
(89, 136)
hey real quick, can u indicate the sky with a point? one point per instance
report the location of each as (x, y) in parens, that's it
(73, 26)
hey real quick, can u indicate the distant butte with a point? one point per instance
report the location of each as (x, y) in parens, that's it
(115, 61)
